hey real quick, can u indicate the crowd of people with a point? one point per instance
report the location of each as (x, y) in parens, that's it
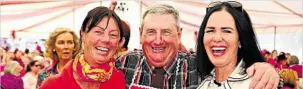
(227, 55)
(288, 66)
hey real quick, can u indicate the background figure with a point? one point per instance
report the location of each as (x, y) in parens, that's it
(274, 54)
(26, 57)
(18, 57)
(294, 65)
(31, 75)
(290, 79)
(61, 46)
(282, 62)
(11, 78)
(126, 35)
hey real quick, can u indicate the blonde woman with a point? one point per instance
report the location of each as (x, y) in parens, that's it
(11, 78)
(61, 46)
(290, 79)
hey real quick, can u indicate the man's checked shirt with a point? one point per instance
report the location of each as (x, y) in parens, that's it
(182, 74)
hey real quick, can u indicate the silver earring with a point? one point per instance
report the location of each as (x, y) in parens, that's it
(54, 50)
(240, 45)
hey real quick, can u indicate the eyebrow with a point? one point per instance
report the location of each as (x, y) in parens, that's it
(227, 28)
(221, 28)
(100, 27)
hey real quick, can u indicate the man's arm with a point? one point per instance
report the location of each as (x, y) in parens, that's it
(264, 76)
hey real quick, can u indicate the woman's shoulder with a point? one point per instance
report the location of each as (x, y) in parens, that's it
(51, 82)
(117, 74)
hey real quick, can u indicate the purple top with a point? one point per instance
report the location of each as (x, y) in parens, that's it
(298, 69)
(9, 81)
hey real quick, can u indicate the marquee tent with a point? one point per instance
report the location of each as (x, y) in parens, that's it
(278, 24)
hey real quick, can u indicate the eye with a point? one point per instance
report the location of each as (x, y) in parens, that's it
(209, 30)
(98, 32)
(70, 42)
(227, 31)
(166, 32)
(114, 35)
(60, 42)
(151, 32)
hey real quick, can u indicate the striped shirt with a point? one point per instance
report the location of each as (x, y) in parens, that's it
(182, 74)
(238, 79)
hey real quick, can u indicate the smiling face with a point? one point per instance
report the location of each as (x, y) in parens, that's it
(160, 39)
(221, 39)
(101, 42)
(64, 46)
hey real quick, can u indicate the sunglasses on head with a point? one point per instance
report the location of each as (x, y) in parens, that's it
(236, 5)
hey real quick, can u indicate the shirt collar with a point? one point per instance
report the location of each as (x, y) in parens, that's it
(237, 74)
(170, 70)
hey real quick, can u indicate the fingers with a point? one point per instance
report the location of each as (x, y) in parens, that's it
(259, 71)
(263, 81)
(277, 78)
(250, 70)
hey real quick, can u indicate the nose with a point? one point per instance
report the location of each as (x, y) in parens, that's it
(105, 39)
(65, 45)
(217, 37)
(158, 39)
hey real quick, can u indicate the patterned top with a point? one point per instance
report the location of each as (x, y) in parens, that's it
(9, 81)
(46, 73)
(237, 80)
(182, 74)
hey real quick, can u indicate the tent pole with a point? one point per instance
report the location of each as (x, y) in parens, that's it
(275, 32)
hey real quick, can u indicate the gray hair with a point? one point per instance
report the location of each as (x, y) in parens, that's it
(162, 9)
(11, 68)
(293, 60)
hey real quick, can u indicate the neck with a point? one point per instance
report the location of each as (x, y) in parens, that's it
(223, 72)
(34, 73)
(61, 64)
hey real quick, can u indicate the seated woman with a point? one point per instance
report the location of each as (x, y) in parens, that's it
(94, 68)
(227, 46)
(11, 78)
(61, 46)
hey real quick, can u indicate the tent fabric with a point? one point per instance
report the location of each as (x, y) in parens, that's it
(278, 24)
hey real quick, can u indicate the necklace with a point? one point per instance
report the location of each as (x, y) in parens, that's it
(92, 74)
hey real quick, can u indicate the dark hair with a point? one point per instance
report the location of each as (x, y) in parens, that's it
(16, 50)
(249, 51)
(26, 51)
(126, 34)
(30, 64)
(281, 57)
(95, 15)
(267, 52)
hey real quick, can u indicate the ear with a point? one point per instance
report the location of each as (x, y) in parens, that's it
(122, 42)
(180, 34)
(141, 35)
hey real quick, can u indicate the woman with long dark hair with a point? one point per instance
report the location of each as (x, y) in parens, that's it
(227, 46)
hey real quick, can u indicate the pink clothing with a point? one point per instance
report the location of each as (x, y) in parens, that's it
(298, 69)
(273, 62)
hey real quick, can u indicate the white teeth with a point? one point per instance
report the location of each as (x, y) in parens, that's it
(218, 48)
(159, 49)
(102, 49)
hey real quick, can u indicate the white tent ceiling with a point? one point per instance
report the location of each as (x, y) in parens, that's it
(36, 19)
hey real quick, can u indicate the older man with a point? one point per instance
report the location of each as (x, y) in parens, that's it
(161, 65)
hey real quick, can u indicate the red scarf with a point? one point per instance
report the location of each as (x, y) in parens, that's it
(88, 73)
